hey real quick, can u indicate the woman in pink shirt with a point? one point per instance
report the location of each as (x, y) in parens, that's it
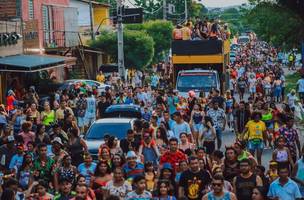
(26, 134)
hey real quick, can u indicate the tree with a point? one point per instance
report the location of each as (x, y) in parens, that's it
(138, 47)
(276, 23)
(161, 32)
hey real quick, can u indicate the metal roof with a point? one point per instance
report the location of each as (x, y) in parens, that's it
(29, 63)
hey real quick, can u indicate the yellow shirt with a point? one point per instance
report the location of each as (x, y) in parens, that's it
(186, 33)
(255, 129)
(100, 78)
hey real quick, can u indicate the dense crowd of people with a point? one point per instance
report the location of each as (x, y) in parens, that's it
(175, 151)
(201, 30)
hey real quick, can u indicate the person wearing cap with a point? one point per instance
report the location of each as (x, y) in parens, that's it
(133, 167)
(17, 159)
(58, 132)
(10, 101)
(7, 151)
(57, 150)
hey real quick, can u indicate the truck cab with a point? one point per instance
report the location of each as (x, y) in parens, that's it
(200, 65)
(197, 81)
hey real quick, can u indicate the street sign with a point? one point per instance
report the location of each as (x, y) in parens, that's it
(130, 16)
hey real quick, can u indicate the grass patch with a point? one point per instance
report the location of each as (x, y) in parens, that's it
(291, 81)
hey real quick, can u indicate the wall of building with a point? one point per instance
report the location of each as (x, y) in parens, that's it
(38, 13)
(101, 13)
(15, 49)
(83, 12)
(8, 8)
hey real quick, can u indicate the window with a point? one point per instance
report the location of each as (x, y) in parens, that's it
(31, 9)
(18, 8)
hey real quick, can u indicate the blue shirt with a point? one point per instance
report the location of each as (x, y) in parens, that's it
(131, 173)
(301, 85)
(87, 172)
(290, 191)
(91, 107)
(181, 128)
(16, 161)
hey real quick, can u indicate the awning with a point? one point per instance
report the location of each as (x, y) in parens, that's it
(29, 63)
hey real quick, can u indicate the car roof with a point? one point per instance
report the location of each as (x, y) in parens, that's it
(123, 107)
(114, 120)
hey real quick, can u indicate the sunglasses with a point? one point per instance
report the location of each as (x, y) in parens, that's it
(217, 184)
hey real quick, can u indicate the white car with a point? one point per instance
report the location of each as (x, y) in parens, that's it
(100, 86)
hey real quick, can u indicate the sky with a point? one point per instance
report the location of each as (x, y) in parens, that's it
(222, 3)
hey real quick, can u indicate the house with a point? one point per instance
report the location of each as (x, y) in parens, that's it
(100, 16)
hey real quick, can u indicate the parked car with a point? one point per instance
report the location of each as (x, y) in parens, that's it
(123, 110)
(117, 127)
(70, 83)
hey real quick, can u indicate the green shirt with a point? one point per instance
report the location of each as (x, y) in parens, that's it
(46, 171)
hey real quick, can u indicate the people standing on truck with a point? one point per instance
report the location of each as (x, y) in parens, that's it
(177, 32)
(186, 31)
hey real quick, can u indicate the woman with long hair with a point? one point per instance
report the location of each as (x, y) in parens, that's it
(118, 186)
(163, 191)
(117, 161)
(207, 136)
(101, 177)
(47, 115)
(76, 147)
(25, 172)
(41, 135)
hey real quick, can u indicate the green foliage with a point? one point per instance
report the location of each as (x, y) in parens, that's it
(276, 24)
(153, 9)
(160, 31)
(138, 47)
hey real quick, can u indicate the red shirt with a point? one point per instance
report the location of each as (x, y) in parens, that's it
(172, 158)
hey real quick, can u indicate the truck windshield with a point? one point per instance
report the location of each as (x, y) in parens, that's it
(196, 81)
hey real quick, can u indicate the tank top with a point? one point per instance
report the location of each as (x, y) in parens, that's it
(197, 117)
(244, 186)
(267, 116)
(211, 196)
(76, 148)
(282, 156)
(50, 118)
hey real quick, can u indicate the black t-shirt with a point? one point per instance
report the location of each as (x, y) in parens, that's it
(125, 145)
(194, 183)
(102, 107)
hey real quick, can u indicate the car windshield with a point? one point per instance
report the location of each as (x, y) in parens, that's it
(195, 81)
(98, 130)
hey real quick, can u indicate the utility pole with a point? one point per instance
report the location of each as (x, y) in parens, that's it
(186, 11)
(164, 10)
(91, 20)
(121, 63)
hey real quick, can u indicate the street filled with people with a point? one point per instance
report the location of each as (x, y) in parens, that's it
(173, 150)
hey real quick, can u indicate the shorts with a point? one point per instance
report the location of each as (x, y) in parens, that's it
(197, 127)
(255, 145)
(301, 95)
(252, 90)
(89, 120)
(81, 121)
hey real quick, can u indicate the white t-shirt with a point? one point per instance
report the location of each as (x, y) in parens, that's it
(120, 191)
(291, 100)
(91, 107)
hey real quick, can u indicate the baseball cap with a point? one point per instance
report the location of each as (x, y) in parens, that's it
(167, 166)
(131, 154)
(58, 140)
